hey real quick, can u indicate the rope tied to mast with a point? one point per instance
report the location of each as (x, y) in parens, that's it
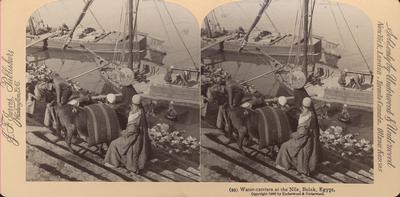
(354, 39)
(180, 36)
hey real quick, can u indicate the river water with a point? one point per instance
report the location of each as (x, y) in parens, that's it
(153, 19)
(327, 22)
(283, 16)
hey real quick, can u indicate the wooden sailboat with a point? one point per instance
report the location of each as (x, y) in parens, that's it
(276, 44)
(328, 90)
(157, 88)
(102, 43)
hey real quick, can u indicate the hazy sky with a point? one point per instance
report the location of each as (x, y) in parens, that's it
(231, 15)
(153, 19)
(283, 14)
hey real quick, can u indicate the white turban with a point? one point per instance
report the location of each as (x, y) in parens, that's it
(282, 100)
(111, 98)
(307, 102)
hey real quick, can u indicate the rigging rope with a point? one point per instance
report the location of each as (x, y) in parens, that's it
(243, 13)
(123, 53)
(272, 23)
(217, 25)
(94, 17)
(270, 20)
(121, 19)
(297, 59)
(337, 24)
(294, 37)
(179, 34)
(352, 35)
(162, 21)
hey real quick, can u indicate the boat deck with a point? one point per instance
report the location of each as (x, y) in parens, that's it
(331, 91)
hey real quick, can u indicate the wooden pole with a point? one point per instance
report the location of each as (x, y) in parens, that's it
(256, 77)
(130, 32)
(287, 98)
(87, 72)
(81, 16)
(258, 17)
(266, 73)
(100, 59)
(137, 52)
(208, 27)
(305, 65)
(98, 97)
(32, 26)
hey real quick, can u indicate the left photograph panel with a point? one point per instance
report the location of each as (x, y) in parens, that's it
(112, 92)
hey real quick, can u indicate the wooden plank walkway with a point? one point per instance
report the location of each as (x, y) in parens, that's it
(224, 162)
(50, 161)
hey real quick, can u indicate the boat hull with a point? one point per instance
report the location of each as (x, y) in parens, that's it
(281, 52)
(106, 48)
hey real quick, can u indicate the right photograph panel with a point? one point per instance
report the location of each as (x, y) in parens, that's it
(287, 93)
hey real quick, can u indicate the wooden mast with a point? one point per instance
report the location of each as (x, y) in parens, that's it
(208, 27)
(306, 36)
(130, 32)
(32, 26)
(81, 16)
(256, 20)
(137, 53)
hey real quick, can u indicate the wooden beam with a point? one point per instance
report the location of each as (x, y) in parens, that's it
(219, 40)
(42, 38)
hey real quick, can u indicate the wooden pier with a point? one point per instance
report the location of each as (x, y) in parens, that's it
(51, 161)
(225, 163)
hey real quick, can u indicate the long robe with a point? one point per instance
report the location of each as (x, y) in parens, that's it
(299, 95)
(301, 151)
(30, 98)
(132, 149)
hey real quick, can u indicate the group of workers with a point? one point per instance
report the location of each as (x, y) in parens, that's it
(131, 149)
(181, 79)
(355, 82)
(301, 151)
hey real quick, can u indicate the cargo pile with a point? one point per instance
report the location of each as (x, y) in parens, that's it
(334, 138)
(173, 141)
(41, 73)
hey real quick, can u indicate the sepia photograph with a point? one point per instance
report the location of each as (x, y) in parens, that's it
(182, 98)
(112, 92)
(287, 93)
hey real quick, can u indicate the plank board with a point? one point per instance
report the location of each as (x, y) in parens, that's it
(217, 41)
(40, 39)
